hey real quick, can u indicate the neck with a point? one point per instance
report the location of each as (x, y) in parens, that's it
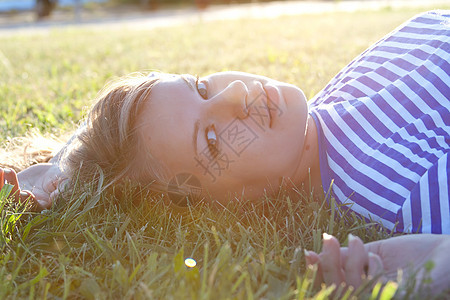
(307, 175)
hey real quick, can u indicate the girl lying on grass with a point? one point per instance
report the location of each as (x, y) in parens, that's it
(376, 139)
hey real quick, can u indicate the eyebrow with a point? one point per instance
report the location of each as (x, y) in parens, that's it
(195, 135)
(188, 79)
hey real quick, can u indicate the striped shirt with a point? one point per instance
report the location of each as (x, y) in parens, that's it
(384, 129)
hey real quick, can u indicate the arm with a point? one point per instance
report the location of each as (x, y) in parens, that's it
(384, 258)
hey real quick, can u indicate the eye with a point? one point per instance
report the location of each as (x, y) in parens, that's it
(211, 139)
(201, 88)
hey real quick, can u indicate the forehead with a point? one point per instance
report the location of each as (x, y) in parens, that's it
(171, 82)
(218, 77)
(166, 121)
(236, 75)
(169, 103)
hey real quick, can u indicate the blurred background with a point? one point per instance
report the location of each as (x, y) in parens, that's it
(44, 8)
(20, 12)
(30, 13)
(16, 13)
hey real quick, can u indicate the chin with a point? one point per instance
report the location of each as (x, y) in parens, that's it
(294, 95)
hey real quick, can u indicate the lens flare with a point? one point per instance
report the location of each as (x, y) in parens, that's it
(190, 262)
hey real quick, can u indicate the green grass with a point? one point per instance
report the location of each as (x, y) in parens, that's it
(96, 248)
(47, 78)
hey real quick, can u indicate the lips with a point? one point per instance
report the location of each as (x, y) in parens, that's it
(273, 99)
(272, 93)
(268, 107)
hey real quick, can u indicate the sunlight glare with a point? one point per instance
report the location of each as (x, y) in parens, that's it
(190, 262)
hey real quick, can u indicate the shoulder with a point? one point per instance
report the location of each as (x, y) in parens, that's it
(434, 18)
(439, 14)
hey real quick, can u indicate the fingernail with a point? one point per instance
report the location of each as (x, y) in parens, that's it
(307, 254)
(326, 236)
(24, 194)
(351, 237)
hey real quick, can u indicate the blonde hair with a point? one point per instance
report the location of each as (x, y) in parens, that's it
(107, 145)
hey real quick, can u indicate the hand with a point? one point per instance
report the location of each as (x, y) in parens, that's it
(350, 265)
(9, 176)
(38, 184)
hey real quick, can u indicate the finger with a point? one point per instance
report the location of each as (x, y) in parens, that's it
(311, 257)
(26, 195)
(375, 265)
(62, 185)
(37, 205)
(344, 256)
(57, 182)
(54, 195)
(29, 198)
(51, 185)
(375, 272)
(43, 204)
(312, 261)
(357, 261)
(330, 261)
(2, 178)
(11, 178)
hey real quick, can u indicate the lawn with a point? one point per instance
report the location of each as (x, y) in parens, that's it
(95, 247)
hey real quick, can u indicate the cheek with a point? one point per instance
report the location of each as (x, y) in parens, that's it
(277, 149)
(253, 178)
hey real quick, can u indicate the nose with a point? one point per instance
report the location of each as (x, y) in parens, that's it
(231, 101)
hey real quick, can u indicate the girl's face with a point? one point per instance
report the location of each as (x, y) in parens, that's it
(235, 132)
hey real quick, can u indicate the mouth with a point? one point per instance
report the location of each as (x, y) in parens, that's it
(273, 99)
(269, 112)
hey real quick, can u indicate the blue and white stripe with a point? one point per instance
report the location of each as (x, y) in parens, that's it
(384, 128)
